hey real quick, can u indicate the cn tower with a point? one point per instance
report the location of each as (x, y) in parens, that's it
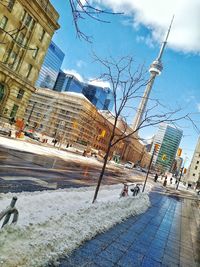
(155, 69)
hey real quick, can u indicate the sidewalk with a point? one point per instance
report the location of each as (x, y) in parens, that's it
(166, 235)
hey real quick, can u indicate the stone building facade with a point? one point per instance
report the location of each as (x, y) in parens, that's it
(193, 175)
(72, 119)
(26, 29)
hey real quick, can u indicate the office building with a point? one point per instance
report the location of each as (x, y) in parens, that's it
(168, 138)
(50, 67)
(21, 57)
(68, 83)
(101, 98)
(193, 175)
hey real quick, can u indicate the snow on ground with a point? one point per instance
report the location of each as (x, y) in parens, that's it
(53, 223)
(181, 186)
(42, 150)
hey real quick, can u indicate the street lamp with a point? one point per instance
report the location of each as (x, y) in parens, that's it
(156, 147)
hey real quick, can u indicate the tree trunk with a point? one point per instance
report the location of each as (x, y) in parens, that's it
(101, 174)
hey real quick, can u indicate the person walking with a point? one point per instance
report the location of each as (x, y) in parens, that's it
(156, 178)
(165, 181)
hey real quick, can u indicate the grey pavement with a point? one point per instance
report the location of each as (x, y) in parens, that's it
(166, 235)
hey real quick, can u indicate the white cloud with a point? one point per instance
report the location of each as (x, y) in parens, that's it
(75, 73)
(148, 40)
(156, 15)
(99, 83)
(80, 64)
(92, 81)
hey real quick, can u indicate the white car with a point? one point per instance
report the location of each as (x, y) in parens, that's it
(129, 165)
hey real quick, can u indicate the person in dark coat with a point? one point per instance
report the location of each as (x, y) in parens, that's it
(156, 178)
(165, 181)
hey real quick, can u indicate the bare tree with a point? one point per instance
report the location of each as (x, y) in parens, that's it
(82, 10)
(127, 85)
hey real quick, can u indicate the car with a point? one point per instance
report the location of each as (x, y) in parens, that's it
(129, 165)
(5, 131)
(32, 136)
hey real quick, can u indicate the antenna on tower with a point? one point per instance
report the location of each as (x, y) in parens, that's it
(165, 42)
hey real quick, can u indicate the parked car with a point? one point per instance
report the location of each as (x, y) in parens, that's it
(32, 136)
(5, 131)
(129, 165)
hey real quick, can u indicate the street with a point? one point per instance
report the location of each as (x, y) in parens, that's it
(26, 171)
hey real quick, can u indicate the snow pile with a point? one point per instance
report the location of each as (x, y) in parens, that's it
(53, 223)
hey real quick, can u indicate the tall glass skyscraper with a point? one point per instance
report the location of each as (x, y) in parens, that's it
(169, 138)
(100, 97)
(68, 83)
(50, 67)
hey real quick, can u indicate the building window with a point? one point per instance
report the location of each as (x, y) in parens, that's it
(10, 4)
(35, 52)
(3, 22)
(196, 167)
(193, 174)
(20, 94)
(12, 59)
(197, 161)
(28, 20)
(20, 38)
(14, 111)
(16, 63)
(29, 68)
(1, 91)
(42, 35)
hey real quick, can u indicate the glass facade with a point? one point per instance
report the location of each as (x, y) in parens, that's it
(68, 83)
(100, 97)
(169, 138)
(50, 67)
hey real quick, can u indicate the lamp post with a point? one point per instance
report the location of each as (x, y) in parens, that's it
(156, 147)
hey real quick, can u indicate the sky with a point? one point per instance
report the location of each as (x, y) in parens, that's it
(138, 32)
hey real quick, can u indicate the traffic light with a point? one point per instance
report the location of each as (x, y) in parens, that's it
(179, 152)
(156, 147)
(164, 157)
(103, 133)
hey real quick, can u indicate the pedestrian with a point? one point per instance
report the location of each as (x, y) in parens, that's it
(165, 181)
(124, 192)
(135, 190)
(156, 178)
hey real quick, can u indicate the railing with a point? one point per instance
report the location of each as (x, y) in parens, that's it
(8, 212)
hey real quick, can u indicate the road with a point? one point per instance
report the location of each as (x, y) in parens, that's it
(26, 171)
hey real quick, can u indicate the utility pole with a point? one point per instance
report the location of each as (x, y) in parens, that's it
(31, 112)
(156, 147)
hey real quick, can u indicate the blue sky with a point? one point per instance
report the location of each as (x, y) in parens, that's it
(179, 82)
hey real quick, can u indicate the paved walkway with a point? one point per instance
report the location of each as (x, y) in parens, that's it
(166, 235)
